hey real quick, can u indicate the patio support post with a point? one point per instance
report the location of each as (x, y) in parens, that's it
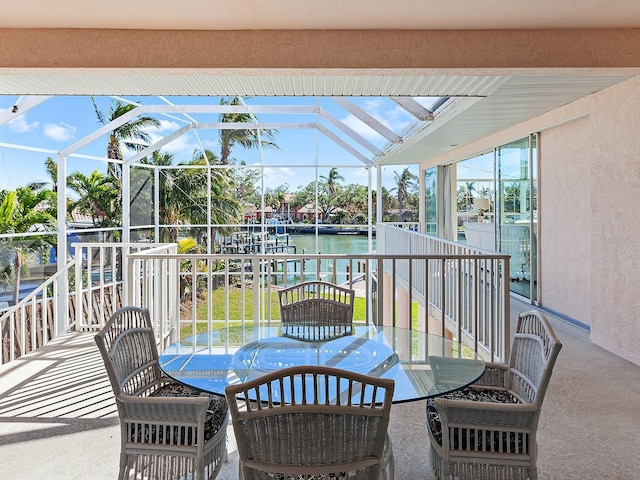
(380, 246)
(62, 306)
(422, 202)
(378, 194)
(369, 298)
(126, 202)
(156, 205)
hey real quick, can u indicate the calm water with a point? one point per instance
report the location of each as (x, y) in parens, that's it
(354, 244)
(331, 243)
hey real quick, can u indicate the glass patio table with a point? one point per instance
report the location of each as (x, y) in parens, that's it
(422, 365)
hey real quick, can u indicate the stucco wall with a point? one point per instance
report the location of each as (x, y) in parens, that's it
(589, 212)
(611, 144)
(565, 220)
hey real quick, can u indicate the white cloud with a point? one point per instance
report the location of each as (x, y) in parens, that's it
(372, 105)
(210, 144)
(167, 125)
(274, 177)
(182, 147)
(60, 132)
(22, 125)
(397, 118)
(179, 146)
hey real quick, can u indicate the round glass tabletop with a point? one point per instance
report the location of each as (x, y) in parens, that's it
(422, 365)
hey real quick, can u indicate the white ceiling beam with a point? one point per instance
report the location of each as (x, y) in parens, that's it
(332, 136)
(191, 119)
(104, 130)
(21, 106)
(258, 109)
(214, 126)
(28, 148)
(456, 107)
(414, 108)
(159, 144)
(349, 132)
(369, 120)
(255, 126)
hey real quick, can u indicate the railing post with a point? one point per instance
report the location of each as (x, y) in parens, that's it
(256, 291)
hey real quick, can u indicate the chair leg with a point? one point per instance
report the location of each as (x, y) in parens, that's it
(390, 469)
(446, 470)
(199, 469)
(122, 473)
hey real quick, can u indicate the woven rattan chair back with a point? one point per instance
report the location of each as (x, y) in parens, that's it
(316, 310)
(489, 430)
(168, 431)
(533, 354)
(332, 424)
(129, 344)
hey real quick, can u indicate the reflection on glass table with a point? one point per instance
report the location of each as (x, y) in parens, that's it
(212, 360)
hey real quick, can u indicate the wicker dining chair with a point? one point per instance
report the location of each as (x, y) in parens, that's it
(168, 430)
(330, 425)
(316, 310)
(488, 431)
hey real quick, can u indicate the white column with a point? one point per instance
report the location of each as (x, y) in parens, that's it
(61, 248)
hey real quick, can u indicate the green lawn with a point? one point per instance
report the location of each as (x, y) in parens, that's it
(235, 314)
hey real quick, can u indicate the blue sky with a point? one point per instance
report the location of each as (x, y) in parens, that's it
(61, 121)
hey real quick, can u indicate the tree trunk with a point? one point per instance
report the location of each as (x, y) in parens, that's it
(17, 264)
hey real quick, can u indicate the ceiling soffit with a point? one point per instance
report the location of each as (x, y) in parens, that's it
(248, 85)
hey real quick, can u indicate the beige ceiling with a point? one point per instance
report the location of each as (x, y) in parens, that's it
(498, 75)
(320, 14)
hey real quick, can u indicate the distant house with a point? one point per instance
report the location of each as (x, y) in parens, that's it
(306, 212)
(81, 220)
(397, 215)
(249, 214)
(253, 214)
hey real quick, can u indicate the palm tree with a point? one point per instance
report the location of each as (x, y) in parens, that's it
(211, 158)
(389, 202)
(172, 196)
(23, 211)
(470, 188)
(331, 182)
(511, 197)
(142, 191)
(246, 138)
(131, 134)
(97, 193)
(52, 171)
(225, 207)
(183, 193)
(281, 193)
(50, 185)
(406, 183)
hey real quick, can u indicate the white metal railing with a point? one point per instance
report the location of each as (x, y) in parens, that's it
(466, 289)
(100, 270)
(30, 323)
(454, 288)
(80, 296)
(460, 293)
(155, 284)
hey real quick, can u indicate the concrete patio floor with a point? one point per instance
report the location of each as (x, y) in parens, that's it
(58, 419)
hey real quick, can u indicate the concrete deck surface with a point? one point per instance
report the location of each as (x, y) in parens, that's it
(58, 419)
